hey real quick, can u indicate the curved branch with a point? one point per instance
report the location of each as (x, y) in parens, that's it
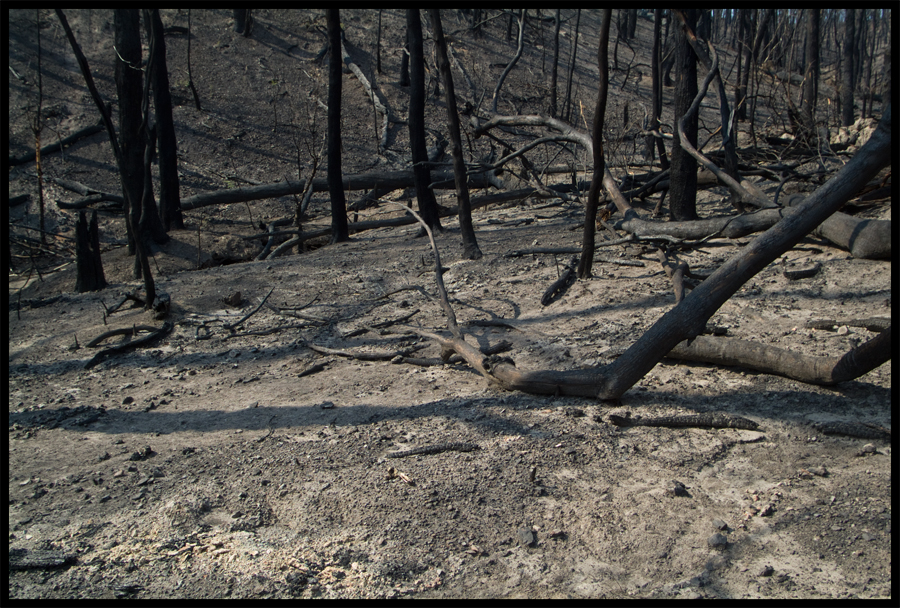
(511, 63)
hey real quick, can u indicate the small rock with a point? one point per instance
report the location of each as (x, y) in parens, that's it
(767, 571)
(867, 450)
(677, 488)
(526, 537)
(718, 524)
(127, 400)
(717, 541)
(327, 405)
(104, 456)
(237, 515)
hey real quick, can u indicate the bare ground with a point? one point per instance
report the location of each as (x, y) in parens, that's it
(212, 468)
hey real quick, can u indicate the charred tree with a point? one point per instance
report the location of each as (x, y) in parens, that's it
(471, 250)
(811, 78)
(742, 42)
(655, 142)
(515, 59)
(340, 230)
(404, 66)
(848, 66)
(133, 140)
(169, 195)
(566, 106)
(683, 176)
(555, 67)
(590, 215)
(89, 267)
(243, 22)
(130, 92)
(117, 153)
(428, 208)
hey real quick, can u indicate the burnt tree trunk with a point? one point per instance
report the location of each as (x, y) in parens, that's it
(339, 228)
(117, 152)
(421, 170)
(590, 215)
(89, 267)
(811, 78)
(129, 88)
(655, 143)
(683, 190)
(743, 45)
(566, 105)
(242, 21)
(471, 250)
(847, 67)
(169, 196)
(555, 67)
(144, 223)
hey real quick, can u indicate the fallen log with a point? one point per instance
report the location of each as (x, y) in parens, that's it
(864, 238)
(791, 364)
(57, 146)
(395, 180)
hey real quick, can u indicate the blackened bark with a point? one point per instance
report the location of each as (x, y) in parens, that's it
(811, 78)
(631, 23)
(555, 67)
(654, 142)
(424, 194)
(340, 230)
(404, 66)
(742, 43)
(89, 267)
(847, 67)
(169, 196)
(683, 176)
(566, 104)
(590, 216)
(243, 22)
(471, 250)
(130, 92)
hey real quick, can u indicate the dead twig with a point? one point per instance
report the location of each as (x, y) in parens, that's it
(231, 326)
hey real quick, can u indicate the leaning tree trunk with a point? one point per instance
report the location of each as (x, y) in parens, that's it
(340, 230)
(683, 177)
(687, 320)
(428, 207)
(471, 250)
(169, 196)
(590, 215)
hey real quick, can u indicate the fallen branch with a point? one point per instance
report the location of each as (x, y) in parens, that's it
(560, 285)
(231, 326)
(364, 356)
(127, 346)
(123, 331)
(58, 146)
(380, 104)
